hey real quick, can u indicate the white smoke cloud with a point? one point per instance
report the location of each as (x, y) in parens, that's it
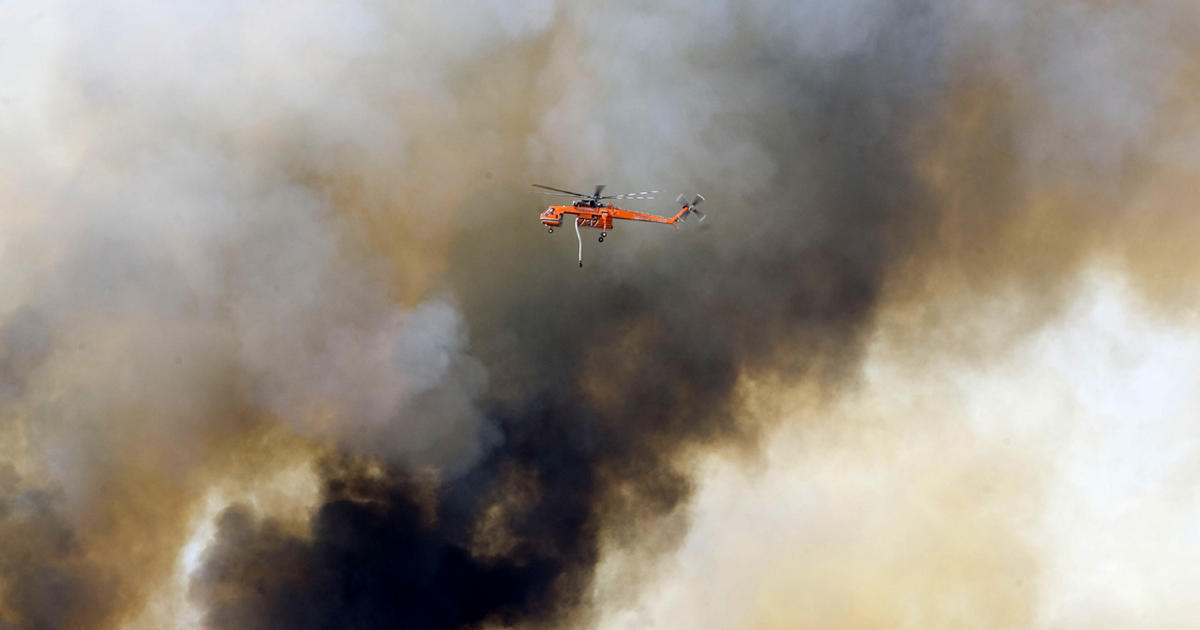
(1051, 485)
(164, 229)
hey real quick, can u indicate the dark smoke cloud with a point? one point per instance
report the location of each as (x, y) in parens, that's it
(48, 583)
(600, 380)
(320, 230)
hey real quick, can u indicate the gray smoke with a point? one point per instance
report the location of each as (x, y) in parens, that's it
(237, 233)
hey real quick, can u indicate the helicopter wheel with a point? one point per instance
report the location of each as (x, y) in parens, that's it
(549, 230)
(601, 239)
(603, 234)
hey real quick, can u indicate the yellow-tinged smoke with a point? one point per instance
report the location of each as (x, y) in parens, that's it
(272, 293)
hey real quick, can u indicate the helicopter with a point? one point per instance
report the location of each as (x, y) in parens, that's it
(595, 211)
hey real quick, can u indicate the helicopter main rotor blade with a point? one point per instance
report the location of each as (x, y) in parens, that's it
(574, 194)
(637, 195)
(560, 195)
(599, 189)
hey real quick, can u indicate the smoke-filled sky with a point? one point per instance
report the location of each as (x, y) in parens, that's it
(283, 345)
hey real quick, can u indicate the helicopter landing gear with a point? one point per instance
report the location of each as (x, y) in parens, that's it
(602, 235)
(549, 230)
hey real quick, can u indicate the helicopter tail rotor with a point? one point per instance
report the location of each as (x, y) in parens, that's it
(690, 207)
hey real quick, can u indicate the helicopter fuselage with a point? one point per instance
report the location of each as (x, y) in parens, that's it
(593, 212)
(600, 216)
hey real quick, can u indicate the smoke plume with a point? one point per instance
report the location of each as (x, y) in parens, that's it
(282, 345)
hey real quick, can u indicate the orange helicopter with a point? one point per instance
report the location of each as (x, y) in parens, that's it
(593, 211)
